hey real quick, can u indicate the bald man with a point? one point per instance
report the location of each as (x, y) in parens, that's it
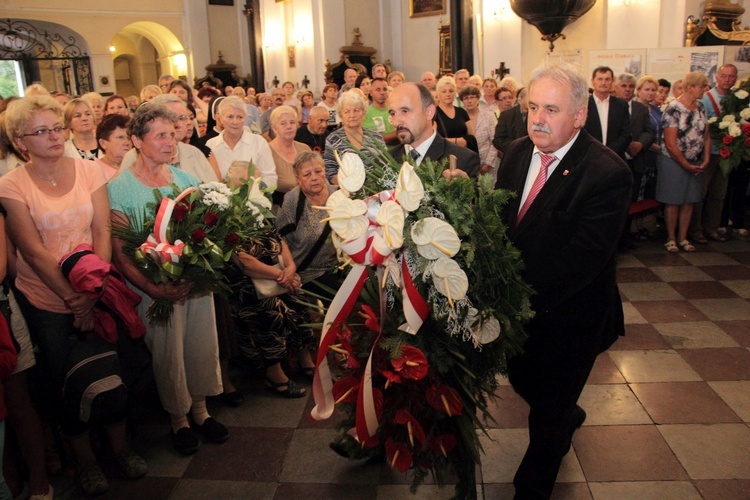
(428, 80)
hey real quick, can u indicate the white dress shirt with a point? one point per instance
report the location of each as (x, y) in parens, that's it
(250, 147)
(536, 164)
(602, 106)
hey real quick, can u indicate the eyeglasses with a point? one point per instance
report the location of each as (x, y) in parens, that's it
(182, 118)
(46, 131)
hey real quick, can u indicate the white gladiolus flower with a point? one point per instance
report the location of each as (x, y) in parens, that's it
(745, 114)
(257, 197)
(713, 119)
(723, 125)
(741, 94)
(735, 130)
(728, 118)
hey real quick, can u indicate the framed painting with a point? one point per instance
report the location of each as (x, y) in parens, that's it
(420, 8)
(221, 2)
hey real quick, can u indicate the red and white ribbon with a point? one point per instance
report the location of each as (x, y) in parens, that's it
(415, 307)
(157, 244)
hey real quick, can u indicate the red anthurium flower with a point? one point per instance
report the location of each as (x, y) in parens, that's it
(415, 430)
(210, 218)
(724, 152)
(231, 239)
(444, 398)
(391, 378)
(727, 139)
(345, 390)
(179, 212)
(398, 455)
(198, 235)
(444, 443)
(412, 364)
(371, 319)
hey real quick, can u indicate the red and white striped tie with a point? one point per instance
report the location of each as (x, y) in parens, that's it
(541, 178)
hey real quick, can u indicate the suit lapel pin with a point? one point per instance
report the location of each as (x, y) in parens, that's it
(565, 172)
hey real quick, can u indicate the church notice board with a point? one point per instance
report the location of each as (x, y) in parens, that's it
(671, 64)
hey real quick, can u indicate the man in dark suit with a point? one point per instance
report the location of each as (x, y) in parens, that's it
(512, 123)
(412, 109)
(608, 110)
(566, 229)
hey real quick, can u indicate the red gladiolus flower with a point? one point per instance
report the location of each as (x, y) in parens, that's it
(727, 139)
(198, 235)
(746, 129)
(398, 455)
(345, 390)
(412, 364)
(724, 152)
(444, 443)
(179, 212)
(231, 239)
(444, 398)
(210, 218)
(371, 319)
(415, 430)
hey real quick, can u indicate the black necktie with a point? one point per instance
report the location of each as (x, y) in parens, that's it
(414, 154)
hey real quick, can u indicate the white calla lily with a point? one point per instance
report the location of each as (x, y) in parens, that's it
(449, 279)
(351, 174)
(435, 238)
(409, 188)
(256, 196)
(391, 220)
(348, 219)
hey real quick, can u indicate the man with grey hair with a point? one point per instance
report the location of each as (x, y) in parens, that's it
(379, 71)
(186, 157)
(573, 197)
(164, 82)
(428, 80)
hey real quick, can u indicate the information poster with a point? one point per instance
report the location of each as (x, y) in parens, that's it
(673, 64)
(620, 60)
(573, 57)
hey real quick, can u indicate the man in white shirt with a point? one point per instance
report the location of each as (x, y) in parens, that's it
(608, 119)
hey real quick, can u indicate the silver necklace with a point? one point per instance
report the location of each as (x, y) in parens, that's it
(33, 171)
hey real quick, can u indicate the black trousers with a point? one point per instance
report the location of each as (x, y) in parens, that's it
(550, 376)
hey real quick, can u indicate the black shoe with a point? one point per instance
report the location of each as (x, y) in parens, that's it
(576, 421)
(214, 431)
(233, 399)
(185, 441)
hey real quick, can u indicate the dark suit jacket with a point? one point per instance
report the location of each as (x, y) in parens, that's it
(510, 126)
(618, 124)
(641, 130)
(467, 160)
(568, 241)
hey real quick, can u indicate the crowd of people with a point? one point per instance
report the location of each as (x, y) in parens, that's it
(72, 167)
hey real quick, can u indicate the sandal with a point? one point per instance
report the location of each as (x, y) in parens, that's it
(308, 372)
(671, 246)
(687, 246)
(292, 390)
(717, 237)
(742, 232)
(699, 238)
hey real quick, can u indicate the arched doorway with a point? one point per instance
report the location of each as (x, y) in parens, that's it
(45, 52)
(142, 52)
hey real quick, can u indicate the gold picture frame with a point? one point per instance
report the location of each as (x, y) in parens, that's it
(421, 8)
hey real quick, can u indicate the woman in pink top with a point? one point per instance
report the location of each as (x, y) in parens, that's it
(54, 203)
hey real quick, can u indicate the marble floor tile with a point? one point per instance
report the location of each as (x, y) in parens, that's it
(612, 404)
(736, 394)
(694, 335)
(724, 489)
(727, 272)
(716, 451)
(509, 409)
(653, 366)
(648, 291)
(425, 492)
(146, 487)
(683, 403)
(605, 371)
(702, 290)
(680, 273)
(636, 275)
(625, 453)
(740, 287)
(709, 259)
(638, 337)
(645, 490)
(723, 309)
(569, 491)
(662, 259)
(669, 311)
(628, 260)
(719, 363)
(265, 409)
(310, 460)
(317, 491)
(154, 444)
(498, 491)
(743, 257)
(251, 454)
(201, 489)
(632, 315)
(739, 330)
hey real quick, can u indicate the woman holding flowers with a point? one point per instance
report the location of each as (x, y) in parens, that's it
(685, 154)
(55, 203)
(184, 350)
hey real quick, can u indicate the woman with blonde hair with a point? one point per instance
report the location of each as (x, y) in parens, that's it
(285, 149)
(450, 119)
(149, 92)
(81, 124)
(96, 101)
